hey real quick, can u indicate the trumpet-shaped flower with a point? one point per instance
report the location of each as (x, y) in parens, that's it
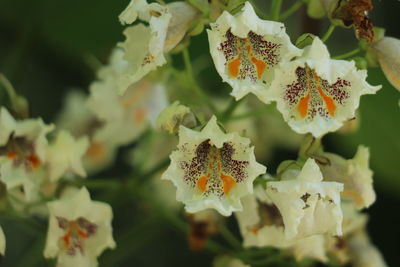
(308, 205)
(261, 224)
(125, 116)
(316, 94)
(65, 154)
(212, 169)
(355, 175)
(79, 230)
(23, 153)
(246, 50)
(145, 45)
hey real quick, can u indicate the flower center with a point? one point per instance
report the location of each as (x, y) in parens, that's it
(213, 171)
(76, 232)
(21, 151)
(248, 57)
(310, 95)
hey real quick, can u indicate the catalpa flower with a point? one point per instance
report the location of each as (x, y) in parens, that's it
(23, 153)
(316, 94)
(124, 117)
(308, 205)
(79, 230)
(355, 175)
(246, 50)
(145, 45)
(65, 154)
(212, 169)
(261, 225)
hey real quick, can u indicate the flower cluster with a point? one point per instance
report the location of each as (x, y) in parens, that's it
(311, 208)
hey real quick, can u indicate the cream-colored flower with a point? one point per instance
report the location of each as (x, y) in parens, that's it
(246, 50)
(2, 242)
(316, 94)
(212, 169)
(65, 154)
(79, 230)
(355, 175)
(23, 154)
(228, 261)
(308, 205)
(124, 117)
(386, 50)
(363, 253)
(7, 126)
(261, 224)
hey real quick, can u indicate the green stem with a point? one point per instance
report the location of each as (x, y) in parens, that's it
(348, 54)
(291, 10)
(328, 33)
(195, 86)
(229, 237)
(276, 6)
(230, 109)
(250, 114)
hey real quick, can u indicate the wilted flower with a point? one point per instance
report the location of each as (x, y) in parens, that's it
(79, 230)
(202, 225)
(308, 205)
(316, 94)
(355, 175)
(387, 50)
(175, 115)
(66, 154)
(212, 169)
(246, 50)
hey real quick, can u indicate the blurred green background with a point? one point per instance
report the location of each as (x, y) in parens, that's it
(48, 47)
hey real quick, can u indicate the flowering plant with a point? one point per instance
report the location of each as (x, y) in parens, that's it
(163, 139)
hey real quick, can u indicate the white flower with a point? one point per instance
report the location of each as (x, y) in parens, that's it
(7, 126)
(355, 175)
(65, 154)
(261, 224)
(363, 253)
(316, 94)
(2, 242)
(386, 50)
(79, 230)
(144, 45)
(246, 50)
(23, 154)
(308, 205)
(125, 116)
(212, 169)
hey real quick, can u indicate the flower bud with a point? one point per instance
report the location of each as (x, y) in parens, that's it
(175, 115)
(386, 51)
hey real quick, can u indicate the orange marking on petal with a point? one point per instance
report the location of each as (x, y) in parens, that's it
(34, 161)
(66, 238)
(233, 67)
(96, 151)
(260, 66)
(140, 115)
(330, 104)
(254, 230)
(11, 155)
(303, 105)
(228, 181)
(202, 182)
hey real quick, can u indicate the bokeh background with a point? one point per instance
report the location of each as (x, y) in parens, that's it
(48, 47)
